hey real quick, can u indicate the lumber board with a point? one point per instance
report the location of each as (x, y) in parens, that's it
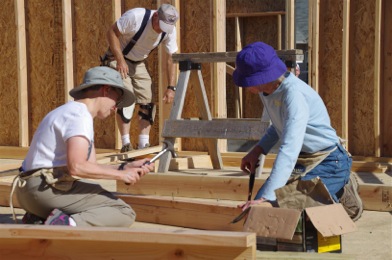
(192, 186)
(204, 214)
(376, 193)
(230, 56)
(55, 242)
(247, 129)
(22, 74)
(255, 14)
(115, 157)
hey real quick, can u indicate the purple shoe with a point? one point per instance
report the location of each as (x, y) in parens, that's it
(57, 217)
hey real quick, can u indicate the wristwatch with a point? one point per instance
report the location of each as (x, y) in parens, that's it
(172, 88)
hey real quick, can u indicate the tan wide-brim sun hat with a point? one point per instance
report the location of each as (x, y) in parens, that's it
(103, 75)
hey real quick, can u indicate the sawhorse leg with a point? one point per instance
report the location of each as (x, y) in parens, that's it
(176, 111)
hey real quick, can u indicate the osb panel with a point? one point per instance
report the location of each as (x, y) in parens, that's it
(253, 29)
(386, 82)
(89, 43)
(9, 127)
(45, 59)
(196, 25)
(330, 59)
(361, 81)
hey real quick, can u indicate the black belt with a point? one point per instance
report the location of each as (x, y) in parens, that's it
(27, 173)
(133, 62)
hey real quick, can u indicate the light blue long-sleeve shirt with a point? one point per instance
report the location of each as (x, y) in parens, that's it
(301, 122)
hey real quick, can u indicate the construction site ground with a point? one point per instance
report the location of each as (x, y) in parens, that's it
(372, 240)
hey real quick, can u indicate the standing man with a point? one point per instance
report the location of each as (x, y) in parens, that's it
(131, 39)
(309, 146)
(52, 185)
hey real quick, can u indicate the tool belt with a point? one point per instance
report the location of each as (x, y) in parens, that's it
(58, 178)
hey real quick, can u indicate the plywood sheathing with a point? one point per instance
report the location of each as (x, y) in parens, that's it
(386, 81)
(91, 21)
(261, 28)
(45, 59)
(8, 76)
(361, 92)
(330, 59)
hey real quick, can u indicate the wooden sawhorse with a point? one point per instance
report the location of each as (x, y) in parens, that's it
(208, 128)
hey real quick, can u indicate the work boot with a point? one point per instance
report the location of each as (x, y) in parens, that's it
(350, 199)
(126, 148)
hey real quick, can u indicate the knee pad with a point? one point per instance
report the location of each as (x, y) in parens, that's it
(126, 113)
(151, 110)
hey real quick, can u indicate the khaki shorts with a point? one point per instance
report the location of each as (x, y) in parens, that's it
(138, 81)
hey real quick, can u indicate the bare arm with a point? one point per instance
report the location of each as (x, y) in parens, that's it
(113, 35)
(168, 96)
(79, 166)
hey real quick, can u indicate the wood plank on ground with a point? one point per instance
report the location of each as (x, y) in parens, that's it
(204, 214)
(55, 242)
(376, 193)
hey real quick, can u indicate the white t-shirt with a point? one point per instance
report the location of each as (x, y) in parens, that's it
(130, 23)
(48, 148)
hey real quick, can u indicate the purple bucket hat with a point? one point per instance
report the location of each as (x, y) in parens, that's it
(257, 64)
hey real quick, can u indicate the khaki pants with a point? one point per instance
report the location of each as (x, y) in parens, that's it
(86, 202)
(139, 81)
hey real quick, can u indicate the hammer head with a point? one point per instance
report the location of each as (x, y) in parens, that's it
(168, 146)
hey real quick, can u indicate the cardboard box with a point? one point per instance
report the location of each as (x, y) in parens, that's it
(308, 226)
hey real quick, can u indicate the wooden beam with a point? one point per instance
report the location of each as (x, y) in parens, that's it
(238, 96)
(164, 109)
(193, 185)
(345, 70)
(290, 25)
(255, 14)
(248, 129)
(52, 242)
(313, 44)
(377, 78)
(22, 73)
(230, 56)
(115, 157)
(185, 212)
(219, 109)
(116, 14)
(68, 49)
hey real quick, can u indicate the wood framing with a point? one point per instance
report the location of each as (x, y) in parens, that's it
(68, 49)
(44, 242)
(22, 73)
(219, 109)
(290, 25)
(342, 66)
(345, 72)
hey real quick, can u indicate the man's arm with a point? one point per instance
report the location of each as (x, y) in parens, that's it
(168, 96)
(113, 35)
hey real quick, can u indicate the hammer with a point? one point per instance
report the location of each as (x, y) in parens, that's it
(167, 147)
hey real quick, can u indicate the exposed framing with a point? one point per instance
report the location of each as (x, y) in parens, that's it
(22, 74)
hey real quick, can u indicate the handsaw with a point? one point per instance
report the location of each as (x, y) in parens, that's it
(250, 191)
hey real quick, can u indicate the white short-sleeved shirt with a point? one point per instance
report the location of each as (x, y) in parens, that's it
(48, 148)
(129, 24)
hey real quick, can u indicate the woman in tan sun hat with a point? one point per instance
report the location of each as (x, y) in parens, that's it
(50, 186)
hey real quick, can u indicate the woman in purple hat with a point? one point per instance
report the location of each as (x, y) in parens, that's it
(300, 121)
